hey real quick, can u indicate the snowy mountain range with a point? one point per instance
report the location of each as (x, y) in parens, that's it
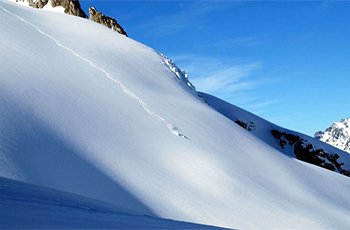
(337, 135)
(103, 130)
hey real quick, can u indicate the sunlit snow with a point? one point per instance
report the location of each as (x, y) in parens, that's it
(88, 111)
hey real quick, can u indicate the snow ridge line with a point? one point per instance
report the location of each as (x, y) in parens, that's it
(171, 128)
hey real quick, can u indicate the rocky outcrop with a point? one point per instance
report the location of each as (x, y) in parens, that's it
(250, 127)
(38, 4)
(71, 7)
(105, 20)
(35, 3)
(305, 151)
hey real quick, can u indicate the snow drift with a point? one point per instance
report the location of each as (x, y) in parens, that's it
(88, 111)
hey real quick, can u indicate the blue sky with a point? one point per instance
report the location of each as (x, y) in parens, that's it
(286, 61)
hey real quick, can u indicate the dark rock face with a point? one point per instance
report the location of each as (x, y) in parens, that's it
(105, 20)
(305, 151)
(71, 7)
(38, 4)
(250, 127)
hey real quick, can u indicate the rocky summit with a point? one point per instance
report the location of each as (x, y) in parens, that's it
(70, 7)
(73, 7)
(105, 20)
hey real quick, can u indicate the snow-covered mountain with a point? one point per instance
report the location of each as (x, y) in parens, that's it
(289, 142)
(338, 135)
(100, 115)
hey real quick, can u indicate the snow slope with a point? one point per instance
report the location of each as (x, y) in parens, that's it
(262, 129)
(91, 112)
(29, 206)
(48, 6)
(337, 135)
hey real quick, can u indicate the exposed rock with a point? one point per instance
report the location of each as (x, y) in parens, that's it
(105, 20)
(303, 150)
(71, 7)
(250, 127)
(35, 3)
(38, 3)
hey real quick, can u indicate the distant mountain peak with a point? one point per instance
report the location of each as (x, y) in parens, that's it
(338, 135)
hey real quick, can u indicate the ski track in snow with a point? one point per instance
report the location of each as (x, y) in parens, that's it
(171, 128)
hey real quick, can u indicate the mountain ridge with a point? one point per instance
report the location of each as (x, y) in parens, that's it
(289, 142)
(72, 7)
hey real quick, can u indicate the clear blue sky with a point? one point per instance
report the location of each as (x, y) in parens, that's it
(288, 62)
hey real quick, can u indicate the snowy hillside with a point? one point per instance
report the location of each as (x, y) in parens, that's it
(289, 142)
(99, 115)
(338, 135)
(29, 206)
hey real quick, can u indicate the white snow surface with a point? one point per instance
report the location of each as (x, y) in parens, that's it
(88, 111)
(262, 130)
(57, 9)
(337, 135)
(33, 207)
(47, 7)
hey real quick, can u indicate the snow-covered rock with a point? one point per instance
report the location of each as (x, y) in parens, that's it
(73, 7)
(338, 135)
